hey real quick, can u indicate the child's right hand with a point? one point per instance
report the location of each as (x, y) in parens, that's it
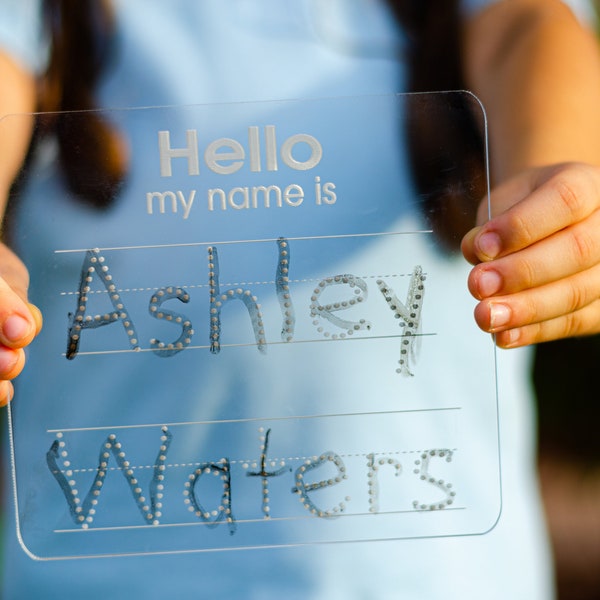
(20, 321)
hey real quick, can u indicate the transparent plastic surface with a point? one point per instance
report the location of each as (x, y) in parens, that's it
(261, 342)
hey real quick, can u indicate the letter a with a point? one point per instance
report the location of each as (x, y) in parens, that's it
(78, 321)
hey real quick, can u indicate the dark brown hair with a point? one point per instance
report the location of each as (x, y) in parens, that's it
(92, 154)
(452, 183)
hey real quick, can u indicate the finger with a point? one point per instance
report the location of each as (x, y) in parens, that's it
(6, 392)
(537, 205)
(582, 322)
(11, 362)
(36, 313)
(476, 246)
(13, 272)
(569, 251)
(18, 324)
(539, 304)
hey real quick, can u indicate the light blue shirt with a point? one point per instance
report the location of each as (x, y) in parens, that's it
(211, 51)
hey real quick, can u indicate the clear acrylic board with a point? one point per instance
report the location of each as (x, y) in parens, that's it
(261, 342)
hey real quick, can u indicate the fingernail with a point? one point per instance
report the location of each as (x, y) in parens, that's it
(499, 316)
(8, 359)
(489, 244)
(6, 393)
(511, 338)
(489, 283)
(15, 328)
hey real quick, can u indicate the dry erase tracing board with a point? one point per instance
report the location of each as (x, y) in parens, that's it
(260, 343)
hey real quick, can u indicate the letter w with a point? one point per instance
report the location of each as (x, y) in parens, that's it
(83, 511)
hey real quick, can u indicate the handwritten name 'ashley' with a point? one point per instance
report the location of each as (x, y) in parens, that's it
(227, 156)
(327, 317)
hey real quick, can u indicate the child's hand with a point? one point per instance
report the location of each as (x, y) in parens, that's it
(20, 321)
(537, 261)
